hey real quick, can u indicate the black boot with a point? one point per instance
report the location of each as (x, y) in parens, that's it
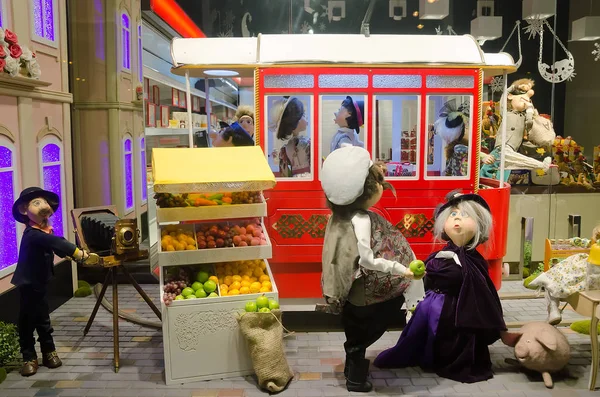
(356, 380)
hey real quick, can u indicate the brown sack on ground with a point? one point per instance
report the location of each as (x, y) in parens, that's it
(264, 335)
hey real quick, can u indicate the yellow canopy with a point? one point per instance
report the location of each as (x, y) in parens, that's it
(207, 170)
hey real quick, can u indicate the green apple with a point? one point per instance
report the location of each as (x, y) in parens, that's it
(417, 267)
(251, 307)
(210, 286)
(202, 277)
(191, 297)
(262, 301)
(197, 285)
(200, 293)
(273, 304)
(187, 292)
(264, 310)
(213, 295)
(179, 298)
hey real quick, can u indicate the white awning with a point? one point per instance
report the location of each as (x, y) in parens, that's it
(242, 55)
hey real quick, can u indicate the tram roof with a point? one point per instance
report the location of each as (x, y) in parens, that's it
(244, 54)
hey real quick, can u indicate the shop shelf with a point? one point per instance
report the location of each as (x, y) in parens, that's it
(202, 339)
(215, 255)
(234, 211)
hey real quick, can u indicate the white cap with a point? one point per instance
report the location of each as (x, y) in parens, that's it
(344, 173)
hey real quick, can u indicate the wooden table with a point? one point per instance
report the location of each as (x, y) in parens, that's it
(587, 304)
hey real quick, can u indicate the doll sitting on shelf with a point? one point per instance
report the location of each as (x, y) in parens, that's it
(563, 280)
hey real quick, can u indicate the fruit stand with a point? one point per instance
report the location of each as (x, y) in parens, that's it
(212, 257)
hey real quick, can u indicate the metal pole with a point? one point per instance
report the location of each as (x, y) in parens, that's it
(553, 61)
(503, 101)
(188, 99)
(208, 107)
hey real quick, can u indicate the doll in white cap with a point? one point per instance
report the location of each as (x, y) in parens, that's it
(349, 118)
(288, 121)
(365, 258)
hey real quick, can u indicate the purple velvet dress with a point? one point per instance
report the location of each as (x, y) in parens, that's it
(452, 327)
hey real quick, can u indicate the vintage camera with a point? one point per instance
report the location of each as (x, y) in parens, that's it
(99, 230)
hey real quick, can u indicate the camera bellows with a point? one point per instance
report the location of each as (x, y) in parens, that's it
(98, 230)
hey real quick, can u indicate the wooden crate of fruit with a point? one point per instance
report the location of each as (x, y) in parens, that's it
(208, 206)
(203, 324)
(224, 241)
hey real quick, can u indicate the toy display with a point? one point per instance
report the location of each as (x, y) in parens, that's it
(573, 168)
(349, 118)
(451, 126)
(365, 258)
(567, 277)
(520, 122)
(542, 348)
(35, 268)
(461, 314)
(244, 116)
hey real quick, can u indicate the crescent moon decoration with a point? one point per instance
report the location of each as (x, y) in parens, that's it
(245, 31)
(560, 71)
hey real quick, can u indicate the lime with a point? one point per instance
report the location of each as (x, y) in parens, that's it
(200, 293)
(202, 277)
(187, 292)
(210, 286)
(196, 286)
(213, 295)
(179, 298)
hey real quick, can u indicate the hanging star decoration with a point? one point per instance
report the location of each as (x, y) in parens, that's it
(497, 84)
(227, 33)
(305, 28)
(596, 52)
(534, 27)
(322, 27)
(438, 31)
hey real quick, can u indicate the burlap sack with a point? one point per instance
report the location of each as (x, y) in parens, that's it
(264, 335)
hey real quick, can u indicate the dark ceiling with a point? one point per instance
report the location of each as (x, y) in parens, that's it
(249, 17)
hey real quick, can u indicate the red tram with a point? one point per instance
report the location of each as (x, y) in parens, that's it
(402, 83)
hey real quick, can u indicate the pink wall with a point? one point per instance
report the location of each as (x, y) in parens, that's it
(50, 67)
(8, 110)
(54, 111)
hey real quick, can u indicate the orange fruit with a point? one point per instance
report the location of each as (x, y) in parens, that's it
(233, 292)
(262, 265)
(215, 279)
(244, 290)
(264, 289)
(170, 247)
(255, 287)
(245, 277)
(224, 288)
(267, 284)
(236, 278)
(253, 279)
(190, 247)
(264, 278)
(258, 272)
(228, 280)
(245, 283)
(235, 285)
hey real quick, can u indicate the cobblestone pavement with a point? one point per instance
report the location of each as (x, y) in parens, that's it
(316, 358)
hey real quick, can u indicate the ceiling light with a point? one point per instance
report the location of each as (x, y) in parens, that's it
(586, 29)
(221, 73)
(420, 26)
(436, 9)
(538, 9)
(416, 14)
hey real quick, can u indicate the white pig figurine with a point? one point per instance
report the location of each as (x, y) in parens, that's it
(542, 348)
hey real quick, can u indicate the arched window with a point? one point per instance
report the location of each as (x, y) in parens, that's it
(125, 42)
(8, 226)
(143, 181)
(52, 170)
(45, 21)
(128, 173)
(140, 56)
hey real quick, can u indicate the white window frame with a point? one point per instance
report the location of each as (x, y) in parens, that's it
(122, 47)
(143, 183)
(47, 140)
(140, 49)
(43, 39)
(4, 141)
(128, 210)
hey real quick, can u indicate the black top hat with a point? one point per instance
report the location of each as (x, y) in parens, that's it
(223, 124)
(29, 194)
(455, 197)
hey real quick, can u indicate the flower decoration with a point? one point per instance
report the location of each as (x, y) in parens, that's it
(15, 58)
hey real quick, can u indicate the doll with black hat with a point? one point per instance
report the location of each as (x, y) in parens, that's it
(365, 275)
(461, 314)
(349, 118)
(35, 268)
(287, 120)
(233, 135)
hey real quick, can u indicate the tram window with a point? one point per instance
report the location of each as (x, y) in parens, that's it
(449, 137)
(289, 135)
(396, 132)
(342, 119)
